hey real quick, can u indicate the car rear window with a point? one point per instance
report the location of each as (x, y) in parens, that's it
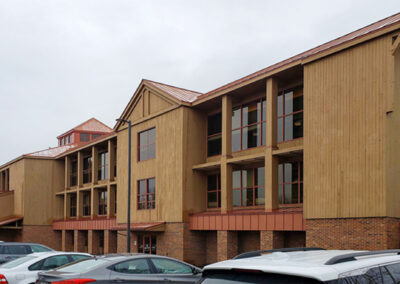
(230, 277)
(39, 248)
(18, 261)
(82, 265)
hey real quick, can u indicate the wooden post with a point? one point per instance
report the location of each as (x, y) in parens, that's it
(226, 169)
(67, 172)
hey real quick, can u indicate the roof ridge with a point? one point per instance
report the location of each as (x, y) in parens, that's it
(172, 86)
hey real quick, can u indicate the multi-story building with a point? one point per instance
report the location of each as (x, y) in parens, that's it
(301, 153)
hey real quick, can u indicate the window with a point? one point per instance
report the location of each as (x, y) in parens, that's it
(147, 144)
(72, 206)
(248, 187)
(248, 125)
(94, 136)
(147, 244)
(54, 262)
(74, 173)
(134, 266)
(102, 202)
(86, 203)
(84, 137)
(16, 249)
(39, 248)
(168, 266)
(87, 169)
(103, 166)
(214, 135)
(66, 140)
(5, 181)
(290, 182)
(214, 191)
(146, 194)
(290, 114)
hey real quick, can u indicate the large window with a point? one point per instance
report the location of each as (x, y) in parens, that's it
(214, 135)
(87, 169)
(248, 125)
(146, 198)
(290, 179)
(248, 187)
(86, 203)
(103, 166)
(147, 244)
(290, 114)
(84, 137)
(147, 144)
(74, 172)
(72, 206)
(102, 202)
(214, 191)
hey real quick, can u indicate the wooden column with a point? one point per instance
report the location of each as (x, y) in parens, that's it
(67, 171)
(94, 202)
(7, 180)
(271, 162)
(226, 169)
(95, 164)
(2, 182)
(80, 169)
(109, 201)
(111, 160)
(65, 206)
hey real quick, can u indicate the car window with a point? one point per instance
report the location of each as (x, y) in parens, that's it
(394, 271)
(371, 276)
(18, 261)
(76, 257)
(54, 262)
(134, 266)
(38, 248)
(168, 266)
(36, 266)
(21, 249)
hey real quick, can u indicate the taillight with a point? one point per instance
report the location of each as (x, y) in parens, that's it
(72, 281)
(3, 280)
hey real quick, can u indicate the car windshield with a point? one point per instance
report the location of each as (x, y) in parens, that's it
(230, 277)
(18, 261)
(82, 265)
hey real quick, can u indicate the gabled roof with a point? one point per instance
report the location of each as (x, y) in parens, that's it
(372, 28)
(181, 94)
(90, 125)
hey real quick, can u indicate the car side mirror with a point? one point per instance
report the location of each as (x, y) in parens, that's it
(195, 271)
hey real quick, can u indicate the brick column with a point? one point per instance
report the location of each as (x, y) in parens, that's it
(67, 240)
(79, 240)
(93, 242)
(271, 162)
(227, 245)
(121, 241)
(110, 241)
(271, 240)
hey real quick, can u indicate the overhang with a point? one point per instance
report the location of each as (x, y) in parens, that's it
(143, 227)
(11, 222)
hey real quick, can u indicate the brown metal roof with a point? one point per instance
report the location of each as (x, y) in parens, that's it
(156, 226)
(10, 219)
(90, 125)
(178, 93)
(324, 47)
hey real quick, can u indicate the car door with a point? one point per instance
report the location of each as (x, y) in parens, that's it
(173, 271)
(136, 270)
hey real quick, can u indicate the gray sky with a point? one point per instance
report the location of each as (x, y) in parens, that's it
(64, 61)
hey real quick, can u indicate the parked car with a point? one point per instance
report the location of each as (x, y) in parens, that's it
(307, 266)
(131, 268)
(24, 270)
(13, 250)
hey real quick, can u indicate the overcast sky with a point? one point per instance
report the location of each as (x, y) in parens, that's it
(63, 62)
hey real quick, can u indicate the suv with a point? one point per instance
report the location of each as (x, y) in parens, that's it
(307, 265)
(13, 250)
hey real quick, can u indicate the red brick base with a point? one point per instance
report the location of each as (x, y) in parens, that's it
(44, 235)
(353, 233)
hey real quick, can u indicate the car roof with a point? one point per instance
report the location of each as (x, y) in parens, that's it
(310, 264)
(18, 243)
(45, 253)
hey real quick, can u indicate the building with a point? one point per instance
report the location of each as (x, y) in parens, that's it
(301, 153)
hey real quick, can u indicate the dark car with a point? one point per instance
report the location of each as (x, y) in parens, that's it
(13, 250)
(119, 268)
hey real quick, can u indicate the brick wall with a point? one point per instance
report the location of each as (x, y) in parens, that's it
(42, 235)
(211, 247)
(110, 241)
(248, 241)
(170, 242)
(10, 235)
(271, 240)
(294, 239)
(80, 240)
(353, 233)
(227, 245)
(67, 240)
(194, 246)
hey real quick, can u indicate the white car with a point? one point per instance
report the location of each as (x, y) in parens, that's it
(307, 266)
(24, 270)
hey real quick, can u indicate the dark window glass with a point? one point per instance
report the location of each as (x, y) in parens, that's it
(86, 204)
(248, 126)
(84, 137)
(147, 244)
(103, 166)
(74, 173)
(214, 191)
(214, 135)
(54, 262)
(102, 202)
(72, 206)
(38, 248)
(290, 114)
(168, 266)
(146, 196)
(21, 249)
(87, 169)
(394, 271)
(134, 266)
(147, 144)
(248, 187)
(290, 182)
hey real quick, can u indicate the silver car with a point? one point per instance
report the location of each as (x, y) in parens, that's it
(13, 250)
(120, 268)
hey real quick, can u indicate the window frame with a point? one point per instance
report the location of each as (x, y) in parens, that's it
(81, 137)
(299, 182)
(254, 187)
(102, 207)
(283, 92)
(74, 174)
(260, 122)
(144, 237)
(146, 194)
(88, 205)
(147, 145)
(213, 135)
(73, 207)
(87, 171)
(103, 168)
(217, 191)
